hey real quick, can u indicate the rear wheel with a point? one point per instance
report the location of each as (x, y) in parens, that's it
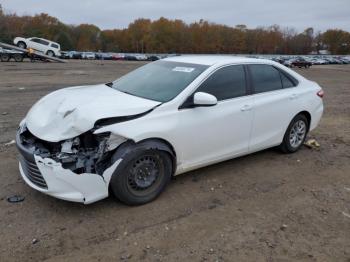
(22, 45)
(50, 53)
(295, 134)
(141, 176)
(18, 57)
(5, 57)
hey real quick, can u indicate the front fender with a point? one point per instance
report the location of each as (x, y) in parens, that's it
(18, 39)
(161, 127)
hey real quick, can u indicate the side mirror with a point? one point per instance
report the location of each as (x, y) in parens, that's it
(204, 99)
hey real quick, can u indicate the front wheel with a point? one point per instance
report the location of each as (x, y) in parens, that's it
(22, 45)
(295, 134)
(141, 176)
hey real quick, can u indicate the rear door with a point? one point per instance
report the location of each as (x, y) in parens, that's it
(38, 44)
(222, 131)
(44, 45)
(276, 102)
(34, 43)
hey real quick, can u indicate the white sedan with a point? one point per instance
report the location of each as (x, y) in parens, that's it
(163, 119)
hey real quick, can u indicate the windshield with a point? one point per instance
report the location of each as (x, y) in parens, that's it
(160, 81)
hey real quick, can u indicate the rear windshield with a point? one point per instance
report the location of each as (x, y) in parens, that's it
(160, 81)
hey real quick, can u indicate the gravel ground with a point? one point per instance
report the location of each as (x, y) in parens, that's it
(263, 207)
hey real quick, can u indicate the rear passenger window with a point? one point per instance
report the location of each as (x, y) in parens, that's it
(265, 78)
(286, 82)
(43, 42)
(225, 83)
(54, 45)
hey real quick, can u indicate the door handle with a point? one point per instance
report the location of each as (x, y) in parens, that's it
(293, 96)
(246, 108)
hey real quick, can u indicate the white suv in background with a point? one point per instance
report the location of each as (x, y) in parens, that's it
(39, 44)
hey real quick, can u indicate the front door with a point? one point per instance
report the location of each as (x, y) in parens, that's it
(219, 132)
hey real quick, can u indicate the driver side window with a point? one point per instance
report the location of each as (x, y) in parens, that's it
(226, 83)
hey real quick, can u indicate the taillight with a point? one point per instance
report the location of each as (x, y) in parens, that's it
(320, 93)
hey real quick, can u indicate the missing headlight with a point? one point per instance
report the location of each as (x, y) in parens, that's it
(87, 153)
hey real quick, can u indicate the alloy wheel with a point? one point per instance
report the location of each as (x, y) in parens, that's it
(297, 133)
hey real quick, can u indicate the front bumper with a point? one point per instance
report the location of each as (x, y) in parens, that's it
(48, 176)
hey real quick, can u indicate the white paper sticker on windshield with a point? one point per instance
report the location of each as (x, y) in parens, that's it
(183, 69)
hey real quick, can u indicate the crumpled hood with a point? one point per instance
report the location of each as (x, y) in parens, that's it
(69, 112)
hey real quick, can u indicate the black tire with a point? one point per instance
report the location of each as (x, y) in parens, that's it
(151, 164)
(50, 53)
(5, 57)
(22, 45)
(18, 57)
(286, 146)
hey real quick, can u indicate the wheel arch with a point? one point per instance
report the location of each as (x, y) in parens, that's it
(148, 143)
(164, 145)
(307, 115)
(22, 41)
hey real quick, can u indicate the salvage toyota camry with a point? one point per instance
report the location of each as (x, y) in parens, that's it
(131, 136)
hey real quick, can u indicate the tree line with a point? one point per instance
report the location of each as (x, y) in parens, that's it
(174, 36)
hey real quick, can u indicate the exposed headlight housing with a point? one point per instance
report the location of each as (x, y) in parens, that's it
(22, 126)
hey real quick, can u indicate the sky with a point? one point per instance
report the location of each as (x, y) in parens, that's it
(109, 14)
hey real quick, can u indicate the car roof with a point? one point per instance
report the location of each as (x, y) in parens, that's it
(215, 59)
(46, 40)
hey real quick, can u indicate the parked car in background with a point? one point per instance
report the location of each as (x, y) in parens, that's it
(88, 55)
(117, 56)
(129, 137)
(136, 57)
(130, 57)
(103, 56)
(141, 57)
(153, 58)
(318, 61)
(68, 54)
(39, 44)
(288, 62)
(344, 60)
(65, 55)
(301, 62)
(74, 55)
(278, 60)
(106, 56)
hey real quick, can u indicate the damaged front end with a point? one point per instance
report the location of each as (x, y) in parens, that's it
(87, 153)
(76, 169)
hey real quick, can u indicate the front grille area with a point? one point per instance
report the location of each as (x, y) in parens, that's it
(32, 172)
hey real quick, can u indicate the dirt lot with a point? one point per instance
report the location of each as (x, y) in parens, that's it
(263, 207)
